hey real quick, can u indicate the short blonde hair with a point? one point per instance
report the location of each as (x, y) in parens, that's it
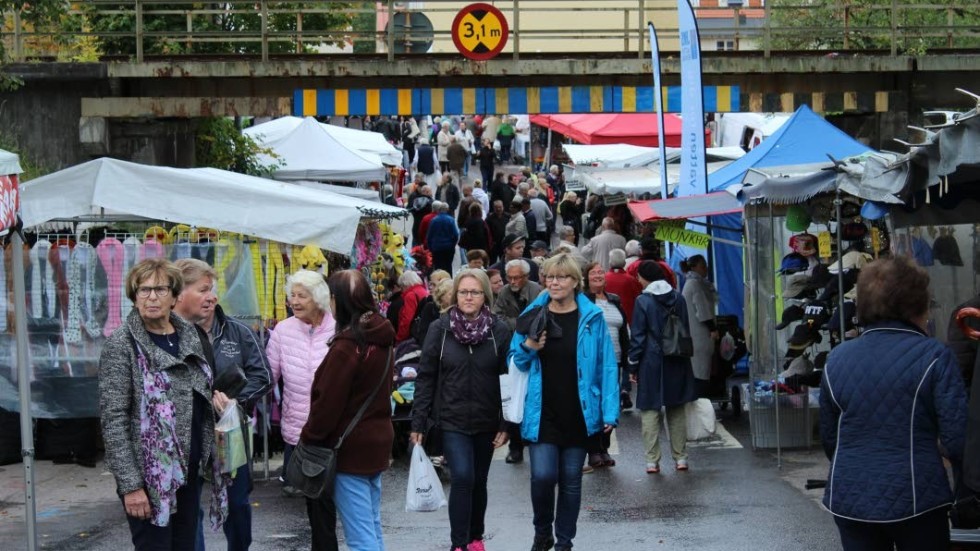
(562, 264)
(481, 277)
(194, 270)
(150, 267)
(437, 276)
(442, 294)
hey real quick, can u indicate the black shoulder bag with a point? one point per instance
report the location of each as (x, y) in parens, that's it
(312, 469)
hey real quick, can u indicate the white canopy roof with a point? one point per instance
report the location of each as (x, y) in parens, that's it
(367, 142)
(616, 155)
(364, 194)
(9, 163)
(308, 152)
(204, 197)
(636, 180)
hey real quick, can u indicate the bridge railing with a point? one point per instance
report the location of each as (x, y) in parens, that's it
(141, 29)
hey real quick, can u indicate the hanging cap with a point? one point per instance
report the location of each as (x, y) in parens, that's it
(873, 211)
(797, 219)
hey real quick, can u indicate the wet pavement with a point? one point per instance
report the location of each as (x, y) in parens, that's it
(732, 498)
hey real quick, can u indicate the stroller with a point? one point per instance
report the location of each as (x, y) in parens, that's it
(407, 357)
(730, 348)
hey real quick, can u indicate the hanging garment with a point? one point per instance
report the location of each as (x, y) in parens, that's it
(946, 251)
(269, 279)
(225, 254)
(152, 248)
(82, 299)
(112, 256)
(3, 290)
(131, 250)
(43, 297)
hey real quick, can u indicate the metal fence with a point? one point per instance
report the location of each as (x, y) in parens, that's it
(142, 29)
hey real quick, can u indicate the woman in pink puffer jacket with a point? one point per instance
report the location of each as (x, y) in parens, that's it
(296, 348)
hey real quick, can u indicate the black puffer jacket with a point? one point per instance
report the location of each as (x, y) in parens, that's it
(458, 386)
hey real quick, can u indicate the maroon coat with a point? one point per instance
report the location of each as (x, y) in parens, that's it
(343, 383)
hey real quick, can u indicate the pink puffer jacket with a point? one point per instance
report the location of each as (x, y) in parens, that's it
(295, 351)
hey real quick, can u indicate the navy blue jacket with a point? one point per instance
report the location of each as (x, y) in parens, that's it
(661, 381)
(235, 345)
(442, 234)
(888, 401)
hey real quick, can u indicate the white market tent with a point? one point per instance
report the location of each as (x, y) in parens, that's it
(203, 197)
(308, 152)
(369, 195)
(620, 155)
(364, 141)
(9, 163)
(636, 180)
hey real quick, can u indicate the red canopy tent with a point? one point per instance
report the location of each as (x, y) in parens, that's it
(613, 128)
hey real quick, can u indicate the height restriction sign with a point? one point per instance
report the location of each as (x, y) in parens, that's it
(480, 31)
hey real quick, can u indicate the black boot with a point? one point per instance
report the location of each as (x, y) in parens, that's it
(542, 543)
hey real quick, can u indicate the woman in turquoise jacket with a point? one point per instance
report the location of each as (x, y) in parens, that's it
(562, 342)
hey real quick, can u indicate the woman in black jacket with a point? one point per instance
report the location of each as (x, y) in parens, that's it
(475, 235)
(570, 210)
(619, 334)
(458, 390)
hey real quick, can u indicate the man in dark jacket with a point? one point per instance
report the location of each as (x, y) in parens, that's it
(448, 193)
(500, 191)
(420, 205)
(497, 222)
(426, 162)
(441, 239)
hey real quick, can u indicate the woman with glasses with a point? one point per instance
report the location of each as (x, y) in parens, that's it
(458, 390)
(563, 342)
(157, 415)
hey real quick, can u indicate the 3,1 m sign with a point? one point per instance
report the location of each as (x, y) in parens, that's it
(480, 31)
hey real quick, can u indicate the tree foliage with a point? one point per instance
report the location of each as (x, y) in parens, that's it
(920, 24)
(218, 143)
(217, 26)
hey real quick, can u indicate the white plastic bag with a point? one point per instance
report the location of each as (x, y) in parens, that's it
(513, 391)
(229, 442)
(700, 419)
(424, 492)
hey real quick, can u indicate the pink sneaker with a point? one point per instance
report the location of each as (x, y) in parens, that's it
(476, 545)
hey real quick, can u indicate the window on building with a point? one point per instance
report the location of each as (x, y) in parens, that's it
(725, 45)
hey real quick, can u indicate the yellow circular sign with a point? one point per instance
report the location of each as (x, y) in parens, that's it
(480, 31)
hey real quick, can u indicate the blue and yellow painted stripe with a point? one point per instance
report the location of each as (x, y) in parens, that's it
(531, 100)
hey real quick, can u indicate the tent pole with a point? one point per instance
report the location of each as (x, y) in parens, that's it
(840, 268)
(24, 384)
(547, 152)
(771, 322)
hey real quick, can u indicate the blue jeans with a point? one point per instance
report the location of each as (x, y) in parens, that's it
(358, 501)
(553, 465)
(469, 458)
(238, 525)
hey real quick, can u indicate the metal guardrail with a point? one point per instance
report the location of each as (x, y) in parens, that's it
(140, 29)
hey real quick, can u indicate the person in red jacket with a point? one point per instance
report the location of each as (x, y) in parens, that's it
(621, 283)
(651, 251)
(356, 373)
(413, 291)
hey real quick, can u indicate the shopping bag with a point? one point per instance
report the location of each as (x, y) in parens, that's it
(700, 419)
(424, 493)
(229, 441)
(513, 390)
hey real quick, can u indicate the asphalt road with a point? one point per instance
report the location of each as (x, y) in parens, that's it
(732, 498)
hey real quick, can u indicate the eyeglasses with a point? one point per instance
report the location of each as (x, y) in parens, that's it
(161, 291)
(555, 277)
(469, 293)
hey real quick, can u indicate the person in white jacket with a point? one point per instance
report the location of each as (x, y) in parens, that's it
(296, 348)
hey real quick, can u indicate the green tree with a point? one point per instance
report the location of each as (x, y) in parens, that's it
(867, 24)
(218, 143)
(214, 21)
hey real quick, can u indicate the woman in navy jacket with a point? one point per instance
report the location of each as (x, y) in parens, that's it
(892, 406)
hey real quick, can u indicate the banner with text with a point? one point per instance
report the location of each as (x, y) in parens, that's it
(693, 178)
(674, 234)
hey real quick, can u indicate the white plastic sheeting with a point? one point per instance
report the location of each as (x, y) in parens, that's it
(9, 163)
(203, 197)
(364, 141)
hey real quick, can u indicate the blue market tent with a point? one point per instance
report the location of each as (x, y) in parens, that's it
(799, 146)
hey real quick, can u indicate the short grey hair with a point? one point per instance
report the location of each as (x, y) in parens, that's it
(532, 193)
(314, 283)
(633, 248)
(617, 258)
(567, 231)
(441, 207)
(408, 279)
(608, 223)
(518, 263)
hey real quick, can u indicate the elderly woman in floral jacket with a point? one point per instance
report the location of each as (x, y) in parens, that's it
(155, 392)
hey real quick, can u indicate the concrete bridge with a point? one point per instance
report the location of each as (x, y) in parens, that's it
(142, 105)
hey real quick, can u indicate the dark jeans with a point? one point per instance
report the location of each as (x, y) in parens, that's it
(516, 443)
(505, 145)
(287, 452)
(926, 531)
(323, 523)
(553, 465)
(487, 173)
(469, 458)
(443, 260)
(238, 525)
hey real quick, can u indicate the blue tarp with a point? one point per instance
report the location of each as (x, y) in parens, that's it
(806, 138)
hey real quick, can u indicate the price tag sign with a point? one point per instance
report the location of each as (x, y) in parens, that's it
(480, 31)
(823, 244)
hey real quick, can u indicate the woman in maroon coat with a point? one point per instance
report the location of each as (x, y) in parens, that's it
(358, 359)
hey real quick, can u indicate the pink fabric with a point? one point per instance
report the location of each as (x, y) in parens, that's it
(110, 252)
(152, 249)
(295, 352)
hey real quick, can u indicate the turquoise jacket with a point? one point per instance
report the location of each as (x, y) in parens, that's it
(598, 371)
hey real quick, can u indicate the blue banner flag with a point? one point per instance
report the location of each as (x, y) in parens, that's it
(658, 105)
(693, 179)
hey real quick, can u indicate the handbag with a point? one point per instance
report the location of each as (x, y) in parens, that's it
(312, 469)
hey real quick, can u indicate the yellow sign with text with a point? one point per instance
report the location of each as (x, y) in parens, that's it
(823, 244)
(683, 237)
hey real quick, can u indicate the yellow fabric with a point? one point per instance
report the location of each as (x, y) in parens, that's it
(310, 258)
(157, 233)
